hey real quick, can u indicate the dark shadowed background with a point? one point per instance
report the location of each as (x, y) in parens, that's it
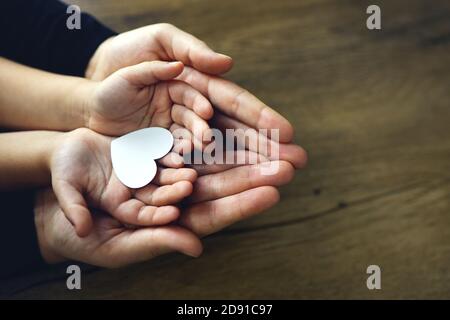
(373, 110)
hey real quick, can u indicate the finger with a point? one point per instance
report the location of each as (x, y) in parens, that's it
(238, 158)
(238, 103)
(180, 132)
(146, 243)
(255, 141)
(169, 176)
(136, 212)
(208, 217)
(183, 94)
(184, 47)
(165, 195)
(150, 72)
(172, 160)
(218, 185)
(182, 146)
(251, 139)
(74, 207)
(189, 141)
(190, 120)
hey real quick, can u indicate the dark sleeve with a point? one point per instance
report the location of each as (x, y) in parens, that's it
(19, 248)
(34, 33)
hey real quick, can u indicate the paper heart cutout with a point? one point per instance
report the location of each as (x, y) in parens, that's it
(133, 155)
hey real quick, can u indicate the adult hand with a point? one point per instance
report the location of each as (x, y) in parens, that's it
(211, 209)
(239, 109)
(155, 42)
(110, 244)
(166, 42)
(223, 196)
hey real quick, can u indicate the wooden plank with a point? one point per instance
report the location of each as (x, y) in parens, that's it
(372, 109)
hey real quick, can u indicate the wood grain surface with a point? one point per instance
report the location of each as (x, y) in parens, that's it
(373, 110)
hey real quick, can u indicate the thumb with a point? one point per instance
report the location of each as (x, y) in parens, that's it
(150, 72)
(74, 207)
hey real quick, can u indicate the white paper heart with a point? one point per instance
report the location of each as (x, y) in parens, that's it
(133, 155)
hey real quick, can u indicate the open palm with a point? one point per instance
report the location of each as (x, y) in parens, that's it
(83, 177)
(240, 192)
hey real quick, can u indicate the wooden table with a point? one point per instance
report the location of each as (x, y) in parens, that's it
(373, 110)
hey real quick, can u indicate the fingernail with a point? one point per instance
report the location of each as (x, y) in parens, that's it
(193, 255)
(172, 63)
(225, 56)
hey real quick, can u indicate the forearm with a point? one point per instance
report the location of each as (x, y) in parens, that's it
(31, 99)
(25, 158)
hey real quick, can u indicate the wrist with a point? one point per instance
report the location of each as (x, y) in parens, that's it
(81, 101)
(63, 142)
(53, 144)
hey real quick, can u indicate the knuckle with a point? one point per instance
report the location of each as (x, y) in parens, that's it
(164, 26)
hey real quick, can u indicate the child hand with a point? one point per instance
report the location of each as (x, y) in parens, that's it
(145, 95)
(83, 177)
